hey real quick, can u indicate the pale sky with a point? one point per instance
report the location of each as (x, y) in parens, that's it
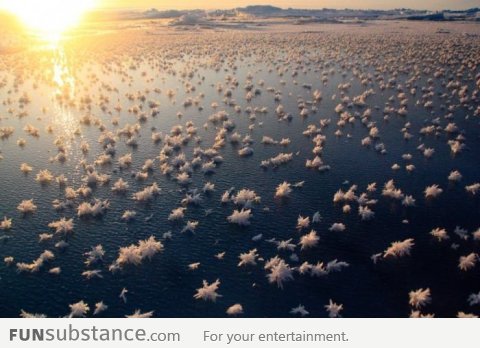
(356, 4)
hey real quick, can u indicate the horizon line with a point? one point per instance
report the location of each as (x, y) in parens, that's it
(282, 8)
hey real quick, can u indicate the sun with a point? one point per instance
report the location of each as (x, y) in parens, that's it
(48, 18)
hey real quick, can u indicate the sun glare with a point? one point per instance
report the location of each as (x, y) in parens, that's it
(48, 18)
